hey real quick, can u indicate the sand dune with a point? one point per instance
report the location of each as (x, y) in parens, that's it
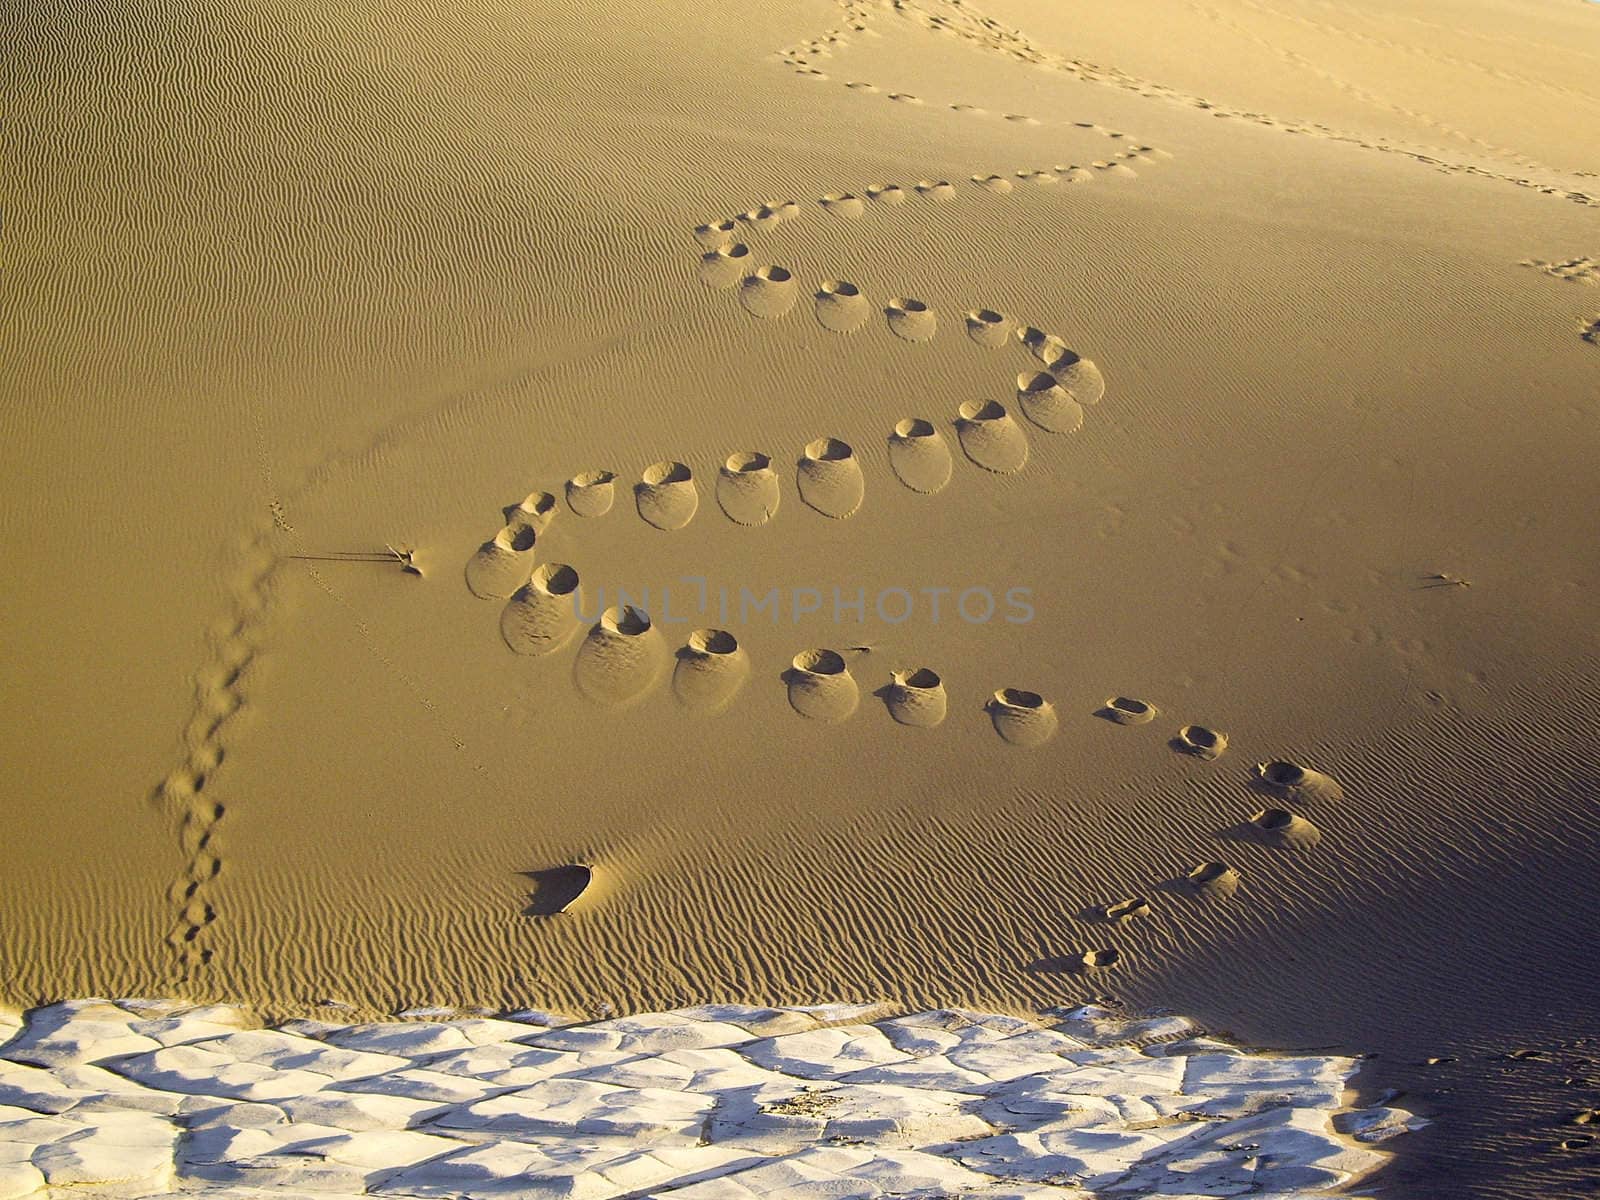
(1216, 345)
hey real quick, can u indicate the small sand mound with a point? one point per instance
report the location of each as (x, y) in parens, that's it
(1298, 784)
(998, 184)
(592, 493)
(1280, 827)
(769, 293)
(990, 437)
(724, 266)
(987, 327)
(542, 614)
(1202, 742)
(911, 320)
(557, 889)
(830, 478)
(666, 496)
(1021, 717)
(844, 204)
(747, 488)
(1125, 710)
(916, 698)
(919, 455)
(841, 308)
(937, 189)
(1127, 910)
(1047, 404)
(711, 668)
(1213, 880)
(621, 657)
(886, 193)
(716, 234)
(821, 687)
(502, 564)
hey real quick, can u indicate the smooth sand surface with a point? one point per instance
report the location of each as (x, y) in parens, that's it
(286, 286)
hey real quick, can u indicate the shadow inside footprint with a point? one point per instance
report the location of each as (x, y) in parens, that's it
(556, 889)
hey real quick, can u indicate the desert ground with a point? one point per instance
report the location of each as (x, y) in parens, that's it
(1242, 353)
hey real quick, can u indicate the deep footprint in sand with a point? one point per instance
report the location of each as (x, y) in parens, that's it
(829, 478)
(916, 698)
(621, 657)
(844, 204)
(747, 488)
(988, 328)
(1280, 827)
(911, 320)
(724, 266)
(1297, 784)
(990, 437)
(768, 293)
(501, 564)
(919, 455)
(1021, 717)
(666, 496)
(840, 306)
(711, 668)
(542, 615)
(821, 687)
(592, 493)
(1213, 880)
(1047, 404)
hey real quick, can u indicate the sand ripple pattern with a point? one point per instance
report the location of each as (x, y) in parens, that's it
(157, 1097)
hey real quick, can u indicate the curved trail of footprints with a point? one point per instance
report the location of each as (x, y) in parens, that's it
(623, 655)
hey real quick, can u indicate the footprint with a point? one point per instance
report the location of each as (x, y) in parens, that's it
(821, 686)
(1116, 169)
(1079, 375)
(715, 235)
(621, 657)
(1047, 404)
(1037, 176)
(1204, 743)
(542, 615)
(592, 493)
(1127, 910)
(724, 266)
(911, 320)
(937, 189)
(1074, 174)
(1125, 710)
(1022, 119)
(886, 193)
(1022, 718)
(829, 478)
(1280, 827)
(747, 488)
(990, 437)
(534, 511)
(862, 87)
(710, 670)
(916, 698)
(841, 308)
(1100, 960)
(998, 184)
(762, 218)
(558, 889)
(666, 496)
(904, 98)
(789, 210)
(1213, 880)
(502, 564)
(1298, 784)
(769, 293)
(844, 204)
(919, 456)
(988, 328)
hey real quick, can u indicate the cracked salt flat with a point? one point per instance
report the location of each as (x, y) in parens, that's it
(146, 1099)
